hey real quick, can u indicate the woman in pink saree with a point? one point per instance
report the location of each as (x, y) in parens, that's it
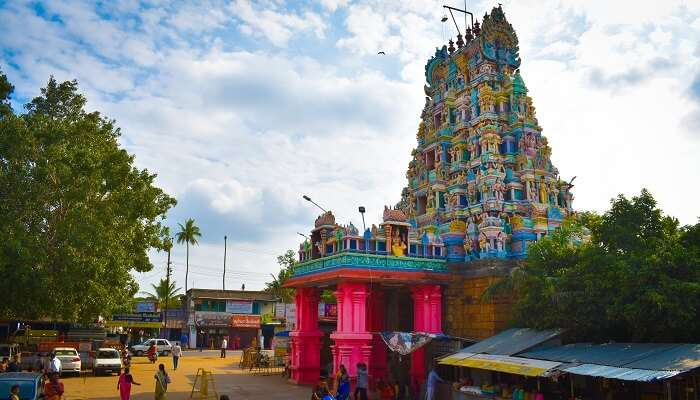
(124, 384)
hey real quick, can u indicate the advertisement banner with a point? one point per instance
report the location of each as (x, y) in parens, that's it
(245, 321)
(146, 307)
(145, 317)
(280, 310)
(291, 316)
(330, 311)
(239, 307)
(211, 318)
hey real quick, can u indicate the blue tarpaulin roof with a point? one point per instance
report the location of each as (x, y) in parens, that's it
(513, 341)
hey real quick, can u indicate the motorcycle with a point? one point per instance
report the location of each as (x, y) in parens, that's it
(153, 356)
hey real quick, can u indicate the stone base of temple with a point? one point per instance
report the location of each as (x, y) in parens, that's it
(306, 357)
(350, 349)
(466, 314)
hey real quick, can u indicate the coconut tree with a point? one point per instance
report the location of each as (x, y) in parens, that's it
(188, 234)
(167, 295)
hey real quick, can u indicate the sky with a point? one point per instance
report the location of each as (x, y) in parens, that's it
(241, 107)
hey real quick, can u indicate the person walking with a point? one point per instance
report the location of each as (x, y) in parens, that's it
(124, 384)
(162, 381)
(224, 345)
(177, 353)
(433, 379)
(53, 389)
(362, 382)
(14, 392)
(343, 392)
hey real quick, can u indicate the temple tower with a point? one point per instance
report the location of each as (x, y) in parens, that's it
(481, 178)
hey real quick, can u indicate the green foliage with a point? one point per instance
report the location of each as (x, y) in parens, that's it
(188, 234)
(6, 90)
(76, 215)
(167, 295)
(286, 261)
(636, 279)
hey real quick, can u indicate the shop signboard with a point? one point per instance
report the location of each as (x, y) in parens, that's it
(144, 320)
(245, 321)
(239, 307)
(146, 307)
(211, 318)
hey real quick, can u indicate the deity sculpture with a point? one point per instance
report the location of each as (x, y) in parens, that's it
(543, 192)
(398, 245)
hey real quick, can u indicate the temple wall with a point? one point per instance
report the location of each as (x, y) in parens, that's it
(466, 315)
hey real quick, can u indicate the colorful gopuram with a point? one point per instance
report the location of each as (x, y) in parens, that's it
(481, 188)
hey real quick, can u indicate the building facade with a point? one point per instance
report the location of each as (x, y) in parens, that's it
(481, 188)
(242, 317)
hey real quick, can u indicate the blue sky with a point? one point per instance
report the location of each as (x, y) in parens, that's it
(241, 107)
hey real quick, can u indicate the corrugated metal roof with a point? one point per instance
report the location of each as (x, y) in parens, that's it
(513, 341)
(627, 374)
(507, 364)
(681, 357)
(611, 354)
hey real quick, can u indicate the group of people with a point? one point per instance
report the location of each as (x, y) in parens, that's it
(387, 390)
(53, 388)
(11, 366)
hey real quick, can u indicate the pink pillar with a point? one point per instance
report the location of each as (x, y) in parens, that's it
(376, 325)
(352, 339)
(306, 338)
(427, 317)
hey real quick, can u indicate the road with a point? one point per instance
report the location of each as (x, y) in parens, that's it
(228, 378)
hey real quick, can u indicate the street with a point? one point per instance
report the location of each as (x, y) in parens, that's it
(228, 378)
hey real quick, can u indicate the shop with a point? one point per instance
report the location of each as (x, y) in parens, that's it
(234, 315)
(516, 364)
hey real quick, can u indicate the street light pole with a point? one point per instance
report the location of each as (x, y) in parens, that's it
(361, 209)
(307, 198)
(223, 280)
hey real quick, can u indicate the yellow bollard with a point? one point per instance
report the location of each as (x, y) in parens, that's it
(206, 382)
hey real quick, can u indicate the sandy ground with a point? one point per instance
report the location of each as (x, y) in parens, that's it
(228, 378)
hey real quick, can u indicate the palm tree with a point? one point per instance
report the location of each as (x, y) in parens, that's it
(166, 295)
(188, 234)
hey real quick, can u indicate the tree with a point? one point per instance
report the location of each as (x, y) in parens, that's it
(76, 215)
(6, 90)
(636, 279)
(286, 261)
(188, 234)
(167, 295)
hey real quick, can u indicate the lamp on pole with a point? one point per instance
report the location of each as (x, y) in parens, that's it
(307, 198)
(223, 280)
(361, 209)
(301, 234)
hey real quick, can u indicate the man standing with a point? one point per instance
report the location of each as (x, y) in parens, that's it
(362, 382)
(433, 379)
(14, 365)
(224, 345)
(54, 365)
(177, 353)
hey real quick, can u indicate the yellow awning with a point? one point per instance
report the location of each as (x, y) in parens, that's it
(507, 364)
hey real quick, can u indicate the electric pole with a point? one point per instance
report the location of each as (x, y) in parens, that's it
(167, 282)
(223, 280)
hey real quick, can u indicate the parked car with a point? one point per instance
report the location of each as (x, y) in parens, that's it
(70, 359)
(163, 347)
(31, 384)
(107, 360)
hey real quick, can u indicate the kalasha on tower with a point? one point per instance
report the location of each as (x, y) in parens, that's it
(481, 177)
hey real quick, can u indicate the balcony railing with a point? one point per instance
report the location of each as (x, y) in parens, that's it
(370, 261)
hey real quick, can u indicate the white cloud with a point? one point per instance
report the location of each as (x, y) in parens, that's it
(277, 27)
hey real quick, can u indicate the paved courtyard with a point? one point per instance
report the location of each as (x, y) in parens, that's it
(229, 379)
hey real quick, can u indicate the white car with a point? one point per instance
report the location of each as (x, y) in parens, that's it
(162, 346)
(107, 360)
(70, 359)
